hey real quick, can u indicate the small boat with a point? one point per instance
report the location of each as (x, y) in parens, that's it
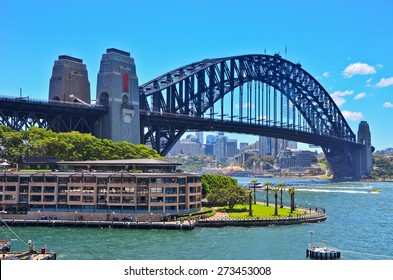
(30, 254)
(374, 191)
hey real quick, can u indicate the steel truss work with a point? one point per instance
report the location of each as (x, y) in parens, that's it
(253, 94)
(21, 114)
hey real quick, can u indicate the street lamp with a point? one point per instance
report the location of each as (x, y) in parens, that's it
(76, 215)
(38, 214)
(250, 212)
(254, 182)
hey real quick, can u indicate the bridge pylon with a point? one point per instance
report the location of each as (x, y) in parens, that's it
(117, 90)
(69, 81)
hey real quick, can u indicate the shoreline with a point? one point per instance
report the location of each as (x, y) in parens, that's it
(173, 225)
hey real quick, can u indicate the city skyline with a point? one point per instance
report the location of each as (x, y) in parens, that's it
(345, 46)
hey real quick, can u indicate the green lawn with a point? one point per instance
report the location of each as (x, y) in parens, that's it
(260, 211)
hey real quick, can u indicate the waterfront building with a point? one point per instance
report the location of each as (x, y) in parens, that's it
(295, 158)
(121, 186)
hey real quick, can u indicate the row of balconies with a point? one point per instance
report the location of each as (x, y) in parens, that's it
(100, 199)
(93, 180)
(92, 190)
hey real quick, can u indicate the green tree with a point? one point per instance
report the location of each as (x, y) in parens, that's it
(228, 196)
(275, 191)
(267, 185)
(73, 145)
(12, 146)
(291, 191)
(249, 163)
(214, 181)
(268, 162)
(281, 187)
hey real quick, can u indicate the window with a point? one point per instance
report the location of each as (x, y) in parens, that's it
(48, 189)
(36, 189)
(128, 189)
(10, 188)
(35, 198)
(170, 190)
(156, 199)
(128, 199)
(157, 190)
(12, 179)
(88, 199)
(49, 198)
(156, 180)
(74, 198)
(170, 199)
(9, 197)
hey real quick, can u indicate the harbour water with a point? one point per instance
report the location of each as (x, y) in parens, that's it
(359, 224)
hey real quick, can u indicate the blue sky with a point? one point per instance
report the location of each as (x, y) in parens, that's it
(346, 45)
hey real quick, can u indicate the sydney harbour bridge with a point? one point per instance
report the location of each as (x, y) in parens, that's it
(256, 94)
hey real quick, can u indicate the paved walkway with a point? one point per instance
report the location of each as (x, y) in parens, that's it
(218, 216)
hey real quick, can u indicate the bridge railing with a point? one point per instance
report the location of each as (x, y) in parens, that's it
(27, 99)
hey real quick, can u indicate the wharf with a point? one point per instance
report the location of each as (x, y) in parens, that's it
(224, 222)
(176, 225)
(28, 256)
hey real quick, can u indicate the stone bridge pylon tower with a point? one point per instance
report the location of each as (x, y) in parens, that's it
(117, 89)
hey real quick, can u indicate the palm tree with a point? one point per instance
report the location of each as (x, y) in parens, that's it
(291, 191)
(275, 190)
(267, 185)
(254, 182)
(281, 187)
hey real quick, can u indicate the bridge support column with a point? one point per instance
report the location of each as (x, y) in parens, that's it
(352, 162)
(364, 159)
(117, 89)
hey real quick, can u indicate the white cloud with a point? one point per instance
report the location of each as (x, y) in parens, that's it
(352, 116)
(358, 68)
(338, 96)
(326, 74)
(385, 82)
(339, 101)
(360, 95)
(341, 93)
(387, 105)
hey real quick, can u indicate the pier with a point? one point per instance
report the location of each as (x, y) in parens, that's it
(172, 225)
(175, 225)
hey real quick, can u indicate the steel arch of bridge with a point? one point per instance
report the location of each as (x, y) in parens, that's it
(282, 101)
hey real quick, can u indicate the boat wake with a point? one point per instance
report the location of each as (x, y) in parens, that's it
(332, 191)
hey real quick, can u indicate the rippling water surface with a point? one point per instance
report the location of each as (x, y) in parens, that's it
(359, 223)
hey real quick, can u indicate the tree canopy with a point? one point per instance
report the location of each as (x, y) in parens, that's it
(223, 190)
(73, 145)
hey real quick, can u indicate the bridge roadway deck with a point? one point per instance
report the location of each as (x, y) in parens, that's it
(281, 131)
